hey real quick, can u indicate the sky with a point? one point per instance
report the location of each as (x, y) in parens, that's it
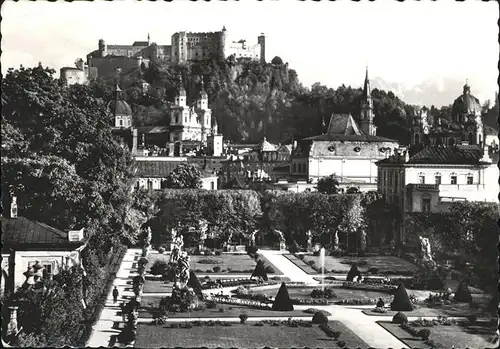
(407, 46)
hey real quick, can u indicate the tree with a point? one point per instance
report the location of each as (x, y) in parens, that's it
(328, 185)
(401, 300)
(184, 177)
(353, 272)
(463, 293)
(260, 271)
(282, 301)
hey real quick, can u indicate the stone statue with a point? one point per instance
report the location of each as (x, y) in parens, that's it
(425, 249)
(148, 236)
(252, 237)
(177, 244)
(362, 241)
(336, 241)
(182, 271)
(282, 240)
(309, 239)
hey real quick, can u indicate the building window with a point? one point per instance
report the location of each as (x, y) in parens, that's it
(396, 181)
(47, 270)
(421, 179)
(121, 123)
(150, 185)
(426, 205)
(212, 186)
(437, 179)
(453, 179)
(470, 179)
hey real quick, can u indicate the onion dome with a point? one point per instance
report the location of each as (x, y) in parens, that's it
(118, 106)
(466, 104)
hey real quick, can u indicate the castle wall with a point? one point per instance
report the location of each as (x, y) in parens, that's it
(107, 66)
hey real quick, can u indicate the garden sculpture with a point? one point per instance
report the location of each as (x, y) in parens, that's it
(177, 244)
(336, 241)
(148, 236)
(425, 251)
(252, 237)
(309, 239)
(182, 272)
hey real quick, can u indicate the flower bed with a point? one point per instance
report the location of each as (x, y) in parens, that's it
(369, 287)
(211, 284)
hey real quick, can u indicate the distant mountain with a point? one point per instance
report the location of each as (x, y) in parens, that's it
(438, 91)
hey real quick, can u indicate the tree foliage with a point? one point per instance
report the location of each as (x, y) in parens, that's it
(184, 177)
(328, 185)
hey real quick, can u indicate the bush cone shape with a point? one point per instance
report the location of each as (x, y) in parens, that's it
(401, 300)
(260, 270)
(195, 284)
(463, 293)
(282, 302)
(319, 318)
(353, 272)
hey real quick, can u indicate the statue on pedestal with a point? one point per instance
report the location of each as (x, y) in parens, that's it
(282, 240)
(148, 236)
(182, 271)
(425, 252)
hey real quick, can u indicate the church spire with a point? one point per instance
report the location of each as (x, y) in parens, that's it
(366, 120)
(149, 40)
(366, 88)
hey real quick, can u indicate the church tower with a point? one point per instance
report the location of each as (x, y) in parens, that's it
(120, 110)
(180, 99)
(366, 119)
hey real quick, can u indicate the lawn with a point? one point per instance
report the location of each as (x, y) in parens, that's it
(304, 292)
(476, 336)
(228, 263)
(151, 305)
(384, 264)
(243, 336)
(157, 286)
(453, 309)
(301, 264)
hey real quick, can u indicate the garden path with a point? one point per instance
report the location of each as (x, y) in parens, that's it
(103, 330)
(288, 269)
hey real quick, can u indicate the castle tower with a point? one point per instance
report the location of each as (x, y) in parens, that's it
(366, 119)
(215, 141)
(103, 50)
(149, 40)
(223, 39)
(261, 40)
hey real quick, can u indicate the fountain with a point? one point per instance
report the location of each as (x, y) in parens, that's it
(322, 260)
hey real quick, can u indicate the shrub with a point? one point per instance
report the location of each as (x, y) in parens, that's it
(294, 247)
(314, 311)
(301, 257)
(282, 302)
(209, 261)
(161, 249)
(241, 290)
(260, 270)
(221, 310)
(424, 333)
(327, 293)
(270, 270)
(259, 323)
(320, 318)
(373, 270)
(174, 325)
(400, 318)
(159, 268)
(243, 318)
(195, 284)
(218, 253)
(353, 272)
(211, 304)
(251, 249)
(463, 293)
(216, 269)
(472, 318)
(341, 344)
(311, 262)
(401, 300)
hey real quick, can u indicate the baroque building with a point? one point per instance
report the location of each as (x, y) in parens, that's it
(348, 149)
(465, 124)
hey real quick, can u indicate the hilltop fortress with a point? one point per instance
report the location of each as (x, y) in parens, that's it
(184, 47)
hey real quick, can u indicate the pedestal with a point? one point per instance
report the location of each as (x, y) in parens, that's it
(12, 326)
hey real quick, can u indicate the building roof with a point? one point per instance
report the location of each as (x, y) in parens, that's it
(140, 43)
(22, 232)
(119, 107)
(264, 145)
(353, 138)
(442, 155)
(343, 124)
(466, 103)
(156, 169)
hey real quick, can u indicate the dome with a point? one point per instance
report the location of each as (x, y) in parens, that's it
(466, 104)
(119, 107)
(277, 61)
